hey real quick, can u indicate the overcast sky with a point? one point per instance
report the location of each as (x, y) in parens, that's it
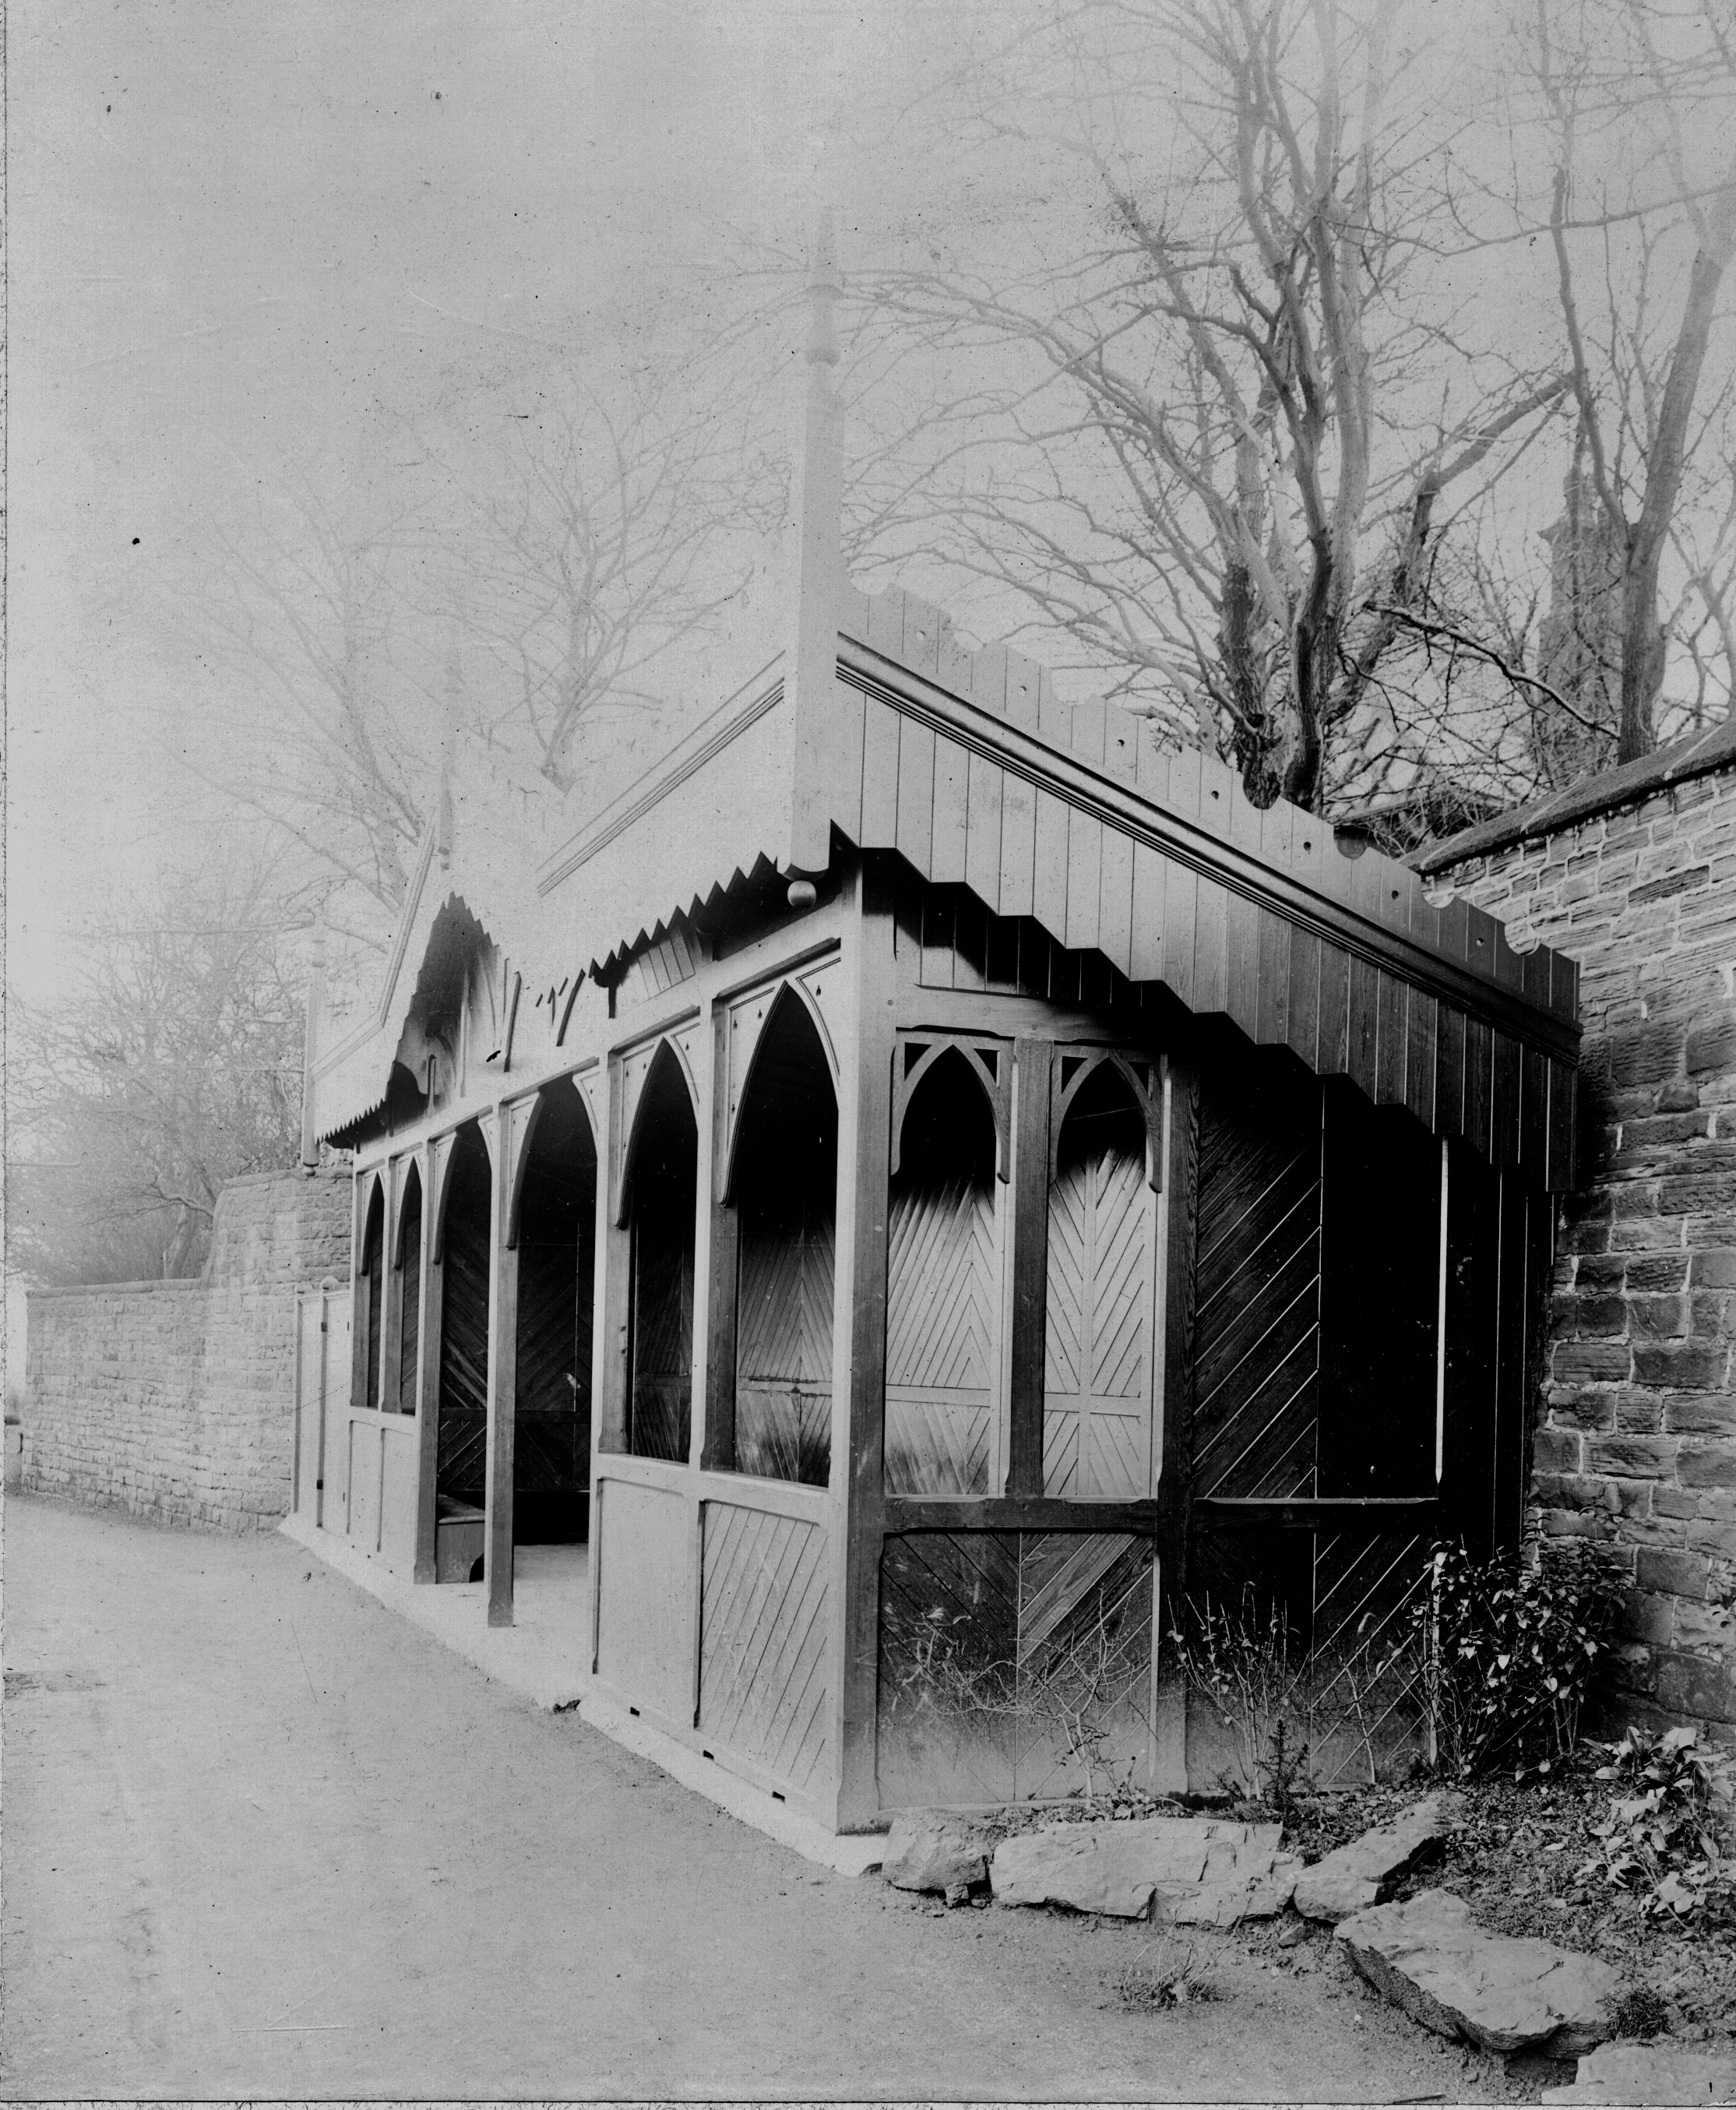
(246, 234)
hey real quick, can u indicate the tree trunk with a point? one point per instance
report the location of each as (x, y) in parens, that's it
(1642, 638)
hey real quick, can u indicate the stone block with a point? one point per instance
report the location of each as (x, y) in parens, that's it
(1641, 2074)
(1697, 1193)
(1670, 1570)
(933, 1850)
(1367, 1871)
(1604, 1318)
(1590, 1362)
(1200, 1868)
(1646, 1054)
(1632, 1199)
(1708, 1465)
(1700, 1414)
(1569, 1409)
(1696, 1685)
(1600, 1271)
(1429, 1956)
(1633, 1457)
(1656, 1318)
(1680, 1364)
(1712, 1045)
(1714, 1270)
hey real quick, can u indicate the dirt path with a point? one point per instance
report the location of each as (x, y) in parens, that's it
(262, 1839)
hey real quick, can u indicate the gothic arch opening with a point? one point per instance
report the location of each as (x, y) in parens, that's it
(557, 1271)
(786, 1195)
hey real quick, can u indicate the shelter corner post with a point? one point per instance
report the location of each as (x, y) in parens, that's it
(1181, 1199)
(503, 1346)
(859, 1375)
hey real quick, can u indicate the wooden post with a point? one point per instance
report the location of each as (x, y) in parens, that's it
(615, 1294)
(717, 1452)
(1033, 1074)
(434, 1156)
(502, 1362)
(391, 1294)
(1181, 1197)
(859, 1343)
(325, 1322)
(605, 1361)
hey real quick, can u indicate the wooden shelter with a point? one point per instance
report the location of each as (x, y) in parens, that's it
(924, 1178)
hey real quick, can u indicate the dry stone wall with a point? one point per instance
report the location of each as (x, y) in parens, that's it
(1637, 1441)
(176, 1399)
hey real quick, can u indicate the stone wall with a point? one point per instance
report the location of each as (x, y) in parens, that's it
(1636, 1444)
(176, 1399)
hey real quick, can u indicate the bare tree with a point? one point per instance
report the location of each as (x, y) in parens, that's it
(600, 541)
(1635, 89)
(1234, 423)
(322, 731)
(172, 1064)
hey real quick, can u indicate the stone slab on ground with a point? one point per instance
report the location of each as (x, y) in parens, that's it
(1198, 1870)
(1650, 2073)
(1368, 1871)
(933, 1849)
(1429, 1956)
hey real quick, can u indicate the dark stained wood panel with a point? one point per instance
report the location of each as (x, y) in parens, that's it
(464, 1341)
(409, 1333)
(1257, 1310)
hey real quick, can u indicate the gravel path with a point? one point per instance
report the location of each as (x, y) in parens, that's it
(264, 1839)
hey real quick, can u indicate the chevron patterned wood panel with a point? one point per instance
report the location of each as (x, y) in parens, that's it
(1101, 1317)
(763, 1639)
(463, 1342)
(1012, 1664)
(1257, 1310)
(409, 1306)
(783, 1350)
(941, 1304)
(661, 1405)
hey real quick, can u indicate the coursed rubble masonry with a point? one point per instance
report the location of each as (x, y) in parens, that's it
(1636, 1440)
(176, 1399)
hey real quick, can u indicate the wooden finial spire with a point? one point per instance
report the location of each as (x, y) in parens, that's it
(816, 570)
(823, 290)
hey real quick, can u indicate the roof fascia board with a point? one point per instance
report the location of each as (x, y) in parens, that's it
(407, 918)
(705, 741)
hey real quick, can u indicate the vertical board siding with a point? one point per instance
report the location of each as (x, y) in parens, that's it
(762, 1647)
(982, 833)
(960, 817)
(951, 811)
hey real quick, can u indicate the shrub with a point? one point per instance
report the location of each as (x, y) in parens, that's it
(1506, 1652)
(1640, 2012)
(1282, 1703)
(1163, 1976)
(1668, 1838)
